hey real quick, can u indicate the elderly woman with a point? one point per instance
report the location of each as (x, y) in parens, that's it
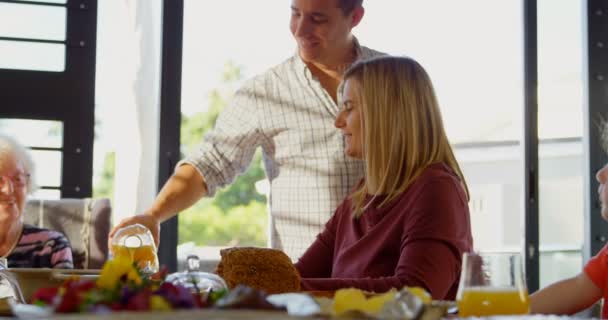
(25, 246)
(407, 222)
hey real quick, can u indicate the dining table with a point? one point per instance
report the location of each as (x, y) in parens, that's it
(211, 314)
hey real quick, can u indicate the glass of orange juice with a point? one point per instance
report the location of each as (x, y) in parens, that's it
(492, 284)
(136, 244)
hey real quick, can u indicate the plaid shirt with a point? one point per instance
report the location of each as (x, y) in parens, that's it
(289, 114)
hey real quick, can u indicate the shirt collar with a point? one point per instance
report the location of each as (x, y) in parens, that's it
(362, 53)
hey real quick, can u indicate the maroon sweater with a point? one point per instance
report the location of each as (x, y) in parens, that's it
(417, 239)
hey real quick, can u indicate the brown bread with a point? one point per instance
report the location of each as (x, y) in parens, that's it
(266, 269)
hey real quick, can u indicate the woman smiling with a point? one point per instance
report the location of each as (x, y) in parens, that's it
(407, 223)
(25, 246)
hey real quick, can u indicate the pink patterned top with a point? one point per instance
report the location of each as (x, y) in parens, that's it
(41, 248)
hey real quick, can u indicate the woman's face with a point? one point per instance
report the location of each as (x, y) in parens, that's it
(602, 178)
(13, 188)
(349, 119)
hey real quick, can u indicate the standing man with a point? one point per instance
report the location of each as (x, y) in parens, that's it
(289, 112)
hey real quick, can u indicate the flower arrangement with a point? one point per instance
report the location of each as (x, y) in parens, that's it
(120, 286)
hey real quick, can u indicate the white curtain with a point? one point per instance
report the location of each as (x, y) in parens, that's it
(128, 98)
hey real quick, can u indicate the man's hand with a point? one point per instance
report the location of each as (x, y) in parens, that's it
(182, 190)
(148, 220)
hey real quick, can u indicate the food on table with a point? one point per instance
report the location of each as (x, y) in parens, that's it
(407, 303)
(244, 297)
(266, 269)
(352, 299)
(421, 293)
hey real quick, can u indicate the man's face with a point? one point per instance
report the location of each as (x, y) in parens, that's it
(602, 178)
(349, 120)
(321, 29)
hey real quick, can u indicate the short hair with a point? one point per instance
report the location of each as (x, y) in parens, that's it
(403, 130)
(10, 147)
(348, 6)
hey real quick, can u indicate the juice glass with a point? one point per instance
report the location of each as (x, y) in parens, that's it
(492, 284)
(136, 244)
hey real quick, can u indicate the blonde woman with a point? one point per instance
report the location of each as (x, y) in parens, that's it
(407, 222)
(25, 246)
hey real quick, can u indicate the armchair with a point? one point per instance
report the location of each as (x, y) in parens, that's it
(85, 222)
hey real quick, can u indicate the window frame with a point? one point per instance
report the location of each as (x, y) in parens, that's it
(595, 107)
(170, 118)
(28, 94)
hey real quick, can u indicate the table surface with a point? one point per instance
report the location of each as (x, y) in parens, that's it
(213, 314)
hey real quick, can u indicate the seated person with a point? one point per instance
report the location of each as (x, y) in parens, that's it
(581, 291)
(407, 222)
(25, 246)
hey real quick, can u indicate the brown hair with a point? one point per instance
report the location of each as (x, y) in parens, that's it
(348, 6)
(403, 129)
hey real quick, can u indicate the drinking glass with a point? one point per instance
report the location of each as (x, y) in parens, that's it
(135, 243)
(492, 284)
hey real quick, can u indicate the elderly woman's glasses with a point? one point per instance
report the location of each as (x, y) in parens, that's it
(17, 181)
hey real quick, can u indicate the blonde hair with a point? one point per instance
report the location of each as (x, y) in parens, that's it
(10, 147)
(402, 127)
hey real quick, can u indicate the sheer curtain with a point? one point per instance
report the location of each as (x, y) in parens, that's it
(128, 100)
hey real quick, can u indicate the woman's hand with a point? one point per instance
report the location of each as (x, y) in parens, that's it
(146, 219)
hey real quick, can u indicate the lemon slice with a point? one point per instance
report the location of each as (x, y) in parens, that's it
(421, 293)
(354, 300)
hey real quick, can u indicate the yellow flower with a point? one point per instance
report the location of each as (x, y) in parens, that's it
(114, 270)
(159, 303)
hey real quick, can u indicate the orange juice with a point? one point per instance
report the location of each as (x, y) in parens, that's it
(145, 256)
(483, 301)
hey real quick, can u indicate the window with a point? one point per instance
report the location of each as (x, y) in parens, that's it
(560, 96)
(127, 105)
(32, 36)
(47, 80)
(214, 65)
(464, 70)
(32, 21)
(478, 74)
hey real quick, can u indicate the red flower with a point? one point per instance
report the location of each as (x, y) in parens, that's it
(46, 295)
(140, 301)
(74, 295)
(70, 302)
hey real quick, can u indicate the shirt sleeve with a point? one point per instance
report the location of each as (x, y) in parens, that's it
(228, 148)
(596, 268)
(317, 260)
(435, 235)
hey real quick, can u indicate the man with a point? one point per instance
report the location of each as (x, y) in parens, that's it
(289, 112)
